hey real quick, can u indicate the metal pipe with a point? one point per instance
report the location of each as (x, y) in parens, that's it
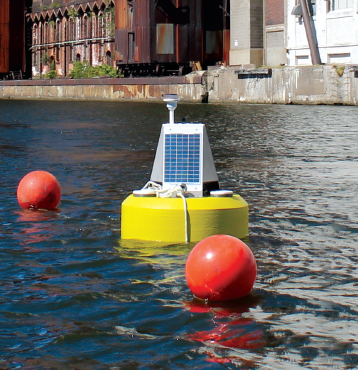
(309, 33)
(108, 39)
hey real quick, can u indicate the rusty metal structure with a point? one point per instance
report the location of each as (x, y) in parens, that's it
(139, 37)
(161, 37)
(12, 40)
(67, 31)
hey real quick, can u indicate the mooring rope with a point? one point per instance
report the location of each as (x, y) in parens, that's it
(176, 190)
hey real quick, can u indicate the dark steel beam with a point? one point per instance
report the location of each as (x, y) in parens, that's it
(309, 32)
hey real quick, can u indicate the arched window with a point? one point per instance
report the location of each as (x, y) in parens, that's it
(45, 33)
(109, 21)
(94, 21)
(101, 25)
(89, 26)
(35, 31)
(58, 30)
(84, 26)
(41, 39)
(51, 31)
(78, 57)
(58, 35)
(109, 58)
(71, 36)
(72, 33)
(84, 20)
(52, 63)
(35, 35)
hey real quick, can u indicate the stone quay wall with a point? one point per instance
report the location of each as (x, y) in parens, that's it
(189, 88)
(325, 84)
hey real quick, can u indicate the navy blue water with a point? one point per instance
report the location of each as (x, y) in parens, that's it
(74, 296)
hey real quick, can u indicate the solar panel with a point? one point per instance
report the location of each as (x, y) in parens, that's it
(182, 158)
(183, 155)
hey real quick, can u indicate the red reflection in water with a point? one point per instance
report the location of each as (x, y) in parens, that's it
(36, 229)
(235, 332)
(27, 215)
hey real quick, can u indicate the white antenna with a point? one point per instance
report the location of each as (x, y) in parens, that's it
(172, 102)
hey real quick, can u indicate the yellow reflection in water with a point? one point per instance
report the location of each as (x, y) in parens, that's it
(152, 252)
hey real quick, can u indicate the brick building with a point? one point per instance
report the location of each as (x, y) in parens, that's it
(65, 31)
(274, 32)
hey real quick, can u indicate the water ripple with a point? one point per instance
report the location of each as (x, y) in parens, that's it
(73, 295)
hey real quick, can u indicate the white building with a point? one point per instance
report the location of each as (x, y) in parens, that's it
(335, 25)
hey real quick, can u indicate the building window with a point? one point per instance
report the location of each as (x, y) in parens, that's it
(35, 35)
(101, 26)
(72, 29)
(58, 30)
(52, 64)
(58, 40)
(41, 30)
(302, 60)
(46, 34)
(343, 58)
(84, 27)
(94, 26)
(341, 4)
(89, 27)
(109, 58)
(108, 23)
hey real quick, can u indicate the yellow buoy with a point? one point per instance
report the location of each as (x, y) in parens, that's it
(174, 205)
(163, 219)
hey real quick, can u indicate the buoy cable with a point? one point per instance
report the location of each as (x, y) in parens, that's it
(174, 191)
(185, 216)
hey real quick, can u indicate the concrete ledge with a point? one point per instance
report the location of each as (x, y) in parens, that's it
(188, 87)
(169, 80)
(325, 84)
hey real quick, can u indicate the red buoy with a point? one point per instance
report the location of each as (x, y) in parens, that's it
(220, 267)
(39, 189)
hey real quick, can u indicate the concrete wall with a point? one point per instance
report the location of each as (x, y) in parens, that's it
(286, 85)
(189, 88)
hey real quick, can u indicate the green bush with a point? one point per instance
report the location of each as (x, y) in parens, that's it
(105, 70)
(51, 74)
(80, 70)
(85, 70)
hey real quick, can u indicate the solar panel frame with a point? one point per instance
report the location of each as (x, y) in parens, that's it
(183, 155)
